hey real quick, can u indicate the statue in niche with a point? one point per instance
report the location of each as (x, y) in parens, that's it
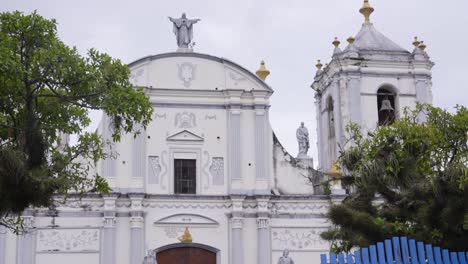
(150, 258)
(302, 135)
(183, 29)
(285, 259)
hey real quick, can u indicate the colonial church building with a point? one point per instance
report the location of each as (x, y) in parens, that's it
(207, 181)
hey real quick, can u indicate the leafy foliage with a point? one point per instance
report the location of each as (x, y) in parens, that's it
(47, 89)
(406, 179)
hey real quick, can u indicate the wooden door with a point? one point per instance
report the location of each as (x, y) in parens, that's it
(186, 255)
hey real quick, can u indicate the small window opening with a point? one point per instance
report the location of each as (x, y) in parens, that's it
(185, 176)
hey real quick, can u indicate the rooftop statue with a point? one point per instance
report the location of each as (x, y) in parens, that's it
(302, 135)
(183, 29)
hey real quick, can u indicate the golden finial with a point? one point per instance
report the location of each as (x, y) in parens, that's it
(336, 43)
(319, 65)
(186, 237)
(262, 72)
(366, 10)
(351, 40)
(416, 42)
(335, 171)
(422, 46)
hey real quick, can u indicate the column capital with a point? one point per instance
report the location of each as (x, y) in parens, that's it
(137, 222)
(263, 223)
(237, 223)
(136, 200)
(110, 202)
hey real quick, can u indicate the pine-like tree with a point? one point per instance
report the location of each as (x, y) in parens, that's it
(405, 179)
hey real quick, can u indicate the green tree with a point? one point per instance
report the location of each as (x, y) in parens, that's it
(405, 179)
(48, 88)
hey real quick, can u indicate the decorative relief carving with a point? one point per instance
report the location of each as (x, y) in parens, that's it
(217, 171)
(154, 169)
(185, 120)
(172, 231)
(210, 117)
(236, 79)
(187, 72)
(298, 238)
(70, 240)
(164, 166)
(163, 116)
(206, 173)
(134, 77)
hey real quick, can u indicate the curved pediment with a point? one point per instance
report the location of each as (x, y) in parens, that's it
(193, 71)
(187, 220)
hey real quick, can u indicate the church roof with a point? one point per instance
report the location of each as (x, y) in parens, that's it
(370, 39)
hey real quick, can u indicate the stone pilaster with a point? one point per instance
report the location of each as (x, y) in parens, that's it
(25, 250)
(237, 250)
(137, 222)
(261, 156)
(354, 89)
(108, 231)
(237, 221)
(263, 231)
(234, 146)
(3, 232)
(138, 153)
(423, 95)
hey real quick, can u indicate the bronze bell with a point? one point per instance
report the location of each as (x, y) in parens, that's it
(386, 105)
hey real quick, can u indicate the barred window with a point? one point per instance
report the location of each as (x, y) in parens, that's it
(185, 176)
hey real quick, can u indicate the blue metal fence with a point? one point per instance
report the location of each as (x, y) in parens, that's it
(398, 250)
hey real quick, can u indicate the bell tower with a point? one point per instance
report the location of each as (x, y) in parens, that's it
(369, 82)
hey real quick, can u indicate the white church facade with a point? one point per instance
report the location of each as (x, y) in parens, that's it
(207, 181)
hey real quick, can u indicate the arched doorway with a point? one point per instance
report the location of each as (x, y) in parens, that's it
(186, 253)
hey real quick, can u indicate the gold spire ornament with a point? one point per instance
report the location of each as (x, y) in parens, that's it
(262, 72)
(319, 65)
(336, 43)
(416, 42)
(422, 46)
(335, 171)
(351, 40)
(366, 10)
(186, 237)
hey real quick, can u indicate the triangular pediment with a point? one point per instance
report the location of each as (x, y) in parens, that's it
(185, 135)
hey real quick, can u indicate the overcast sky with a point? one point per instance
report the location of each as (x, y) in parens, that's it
(290, 35)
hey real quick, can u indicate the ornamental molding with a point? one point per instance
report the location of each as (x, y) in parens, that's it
(185, 205)
(68, 240)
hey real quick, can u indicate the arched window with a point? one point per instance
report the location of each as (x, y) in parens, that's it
(331, 118)
(386, 106)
